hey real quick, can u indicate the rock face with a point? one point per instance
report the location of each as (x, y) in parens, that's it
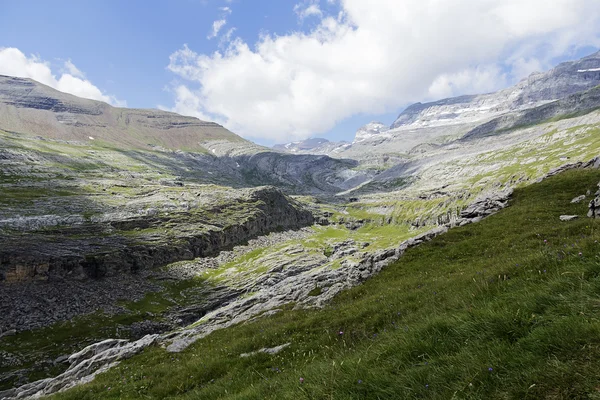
(487, 204)
(35, 254)
(29, 107)
(594, 206)
(566, 79)
(582, 102)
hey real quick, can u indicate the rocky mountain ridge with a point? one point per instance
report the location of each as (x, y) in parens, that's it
(423, 125)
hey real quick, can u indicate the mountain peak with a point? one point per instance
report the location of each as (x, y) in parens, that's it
(369, 130)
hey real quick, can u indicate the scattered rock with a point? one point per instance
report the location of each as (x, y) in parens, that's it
(568, 217)
(272, 350)
(578, 199)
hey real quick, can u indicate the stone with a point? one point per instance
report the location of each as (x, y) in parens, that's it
(272, 350)
(578, 199)
(594, 208)
(568, 217)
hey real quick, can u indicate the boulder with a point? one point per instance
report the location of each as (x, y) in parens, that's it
(578, 199)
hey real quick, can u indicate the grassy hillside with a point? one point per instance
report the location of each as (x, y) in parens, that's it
(506, 308)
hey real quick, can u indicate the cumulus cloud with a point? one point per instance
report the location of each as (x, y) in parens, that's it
(375, 57)
(14, 63)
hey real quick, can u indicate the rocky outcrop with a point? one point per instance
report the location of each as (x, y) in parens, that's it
(485, 205)
(594, 205)
(38, 255)
(84, 366)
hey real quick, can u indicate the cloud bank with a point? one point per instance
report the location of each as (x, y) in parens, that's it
(375, 57)
(14, 63)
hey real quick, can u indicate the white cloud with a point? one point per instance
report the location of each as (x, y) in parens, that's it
(14, 63)
(482, 79)
(226, 38)
(307, 9)
(73, 70)
(216, 27)
(220, 23)
(376, 57)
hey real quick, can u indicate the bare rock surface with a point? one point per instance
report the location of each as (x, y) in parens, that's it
(85, 365)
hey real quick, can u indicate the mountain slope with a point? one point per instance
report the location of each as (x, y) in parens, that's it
(32, 108)
(185, 146)
(489, 310)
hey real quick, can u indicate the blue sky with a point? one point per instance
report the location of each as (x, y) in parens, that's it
(126, 49)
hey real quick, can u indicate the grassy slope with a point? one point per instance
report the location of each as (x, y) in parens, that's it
(489, 310)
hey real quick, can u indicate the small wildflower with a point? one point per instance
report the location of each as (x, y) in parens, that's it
(490, 369)
(340, 333)
(545, 241)
(301, 380)
(359, 381)
(427, 386)
(580, 254)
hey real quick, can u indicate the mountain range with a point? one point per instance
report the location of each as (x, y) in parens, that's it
(422, 125)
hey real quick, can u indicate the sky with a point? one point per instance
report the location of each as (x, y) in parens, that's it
(275, 71)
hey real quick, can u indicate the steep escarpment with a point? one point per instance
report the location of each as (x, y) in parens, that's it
(575, 104)
(563, 80)
(131, 242)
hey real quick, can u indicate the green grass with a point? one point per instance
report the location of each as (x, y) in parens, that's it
(506, 308)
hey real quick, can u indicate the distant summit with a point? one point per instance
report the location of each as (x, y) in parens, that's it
(312, 146)
(370, 130)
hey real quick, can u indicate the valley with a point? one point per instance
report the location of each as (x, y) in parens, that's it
(142, 231)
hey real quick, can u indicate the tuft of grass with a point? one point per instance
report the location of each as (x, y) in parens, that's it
(506, 308)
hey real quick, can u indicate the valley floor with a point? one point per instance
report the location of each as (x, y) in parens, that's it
(505, 308)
